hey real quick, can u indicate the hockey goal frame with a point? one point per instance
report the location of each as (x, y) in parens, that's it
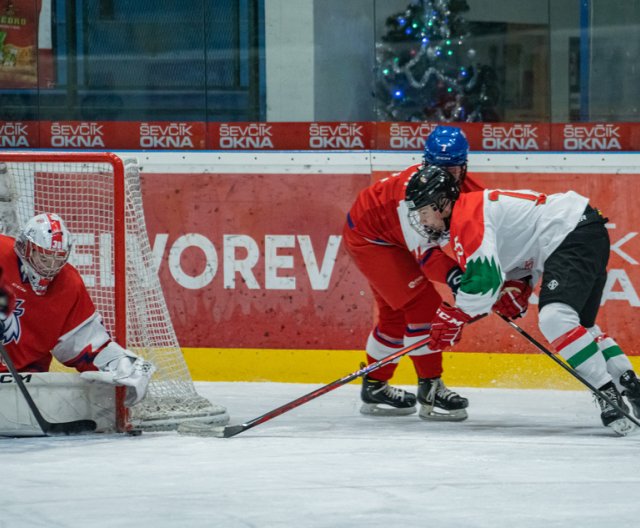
(121, 186)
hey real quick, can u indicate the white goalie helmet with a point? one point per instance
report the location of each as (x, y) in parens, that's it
(43, 246)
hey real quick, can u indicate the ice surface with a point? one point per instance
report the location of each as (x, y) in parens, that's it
(522, 459)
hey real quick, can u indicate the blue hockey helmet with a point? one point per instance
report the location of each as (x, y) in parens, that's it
(446, 146)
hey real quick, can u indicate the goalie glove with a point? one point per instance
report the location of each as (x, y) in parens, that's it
(513, 300)
(119, 366)
(446, 328)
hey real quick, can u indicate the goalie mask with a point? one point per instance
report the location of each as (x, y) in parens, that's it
(43, 247)
(430, 195)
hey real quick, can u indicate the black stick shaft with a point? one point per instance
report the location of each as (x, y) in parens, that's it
(232, 430)
(569, 369)
(74, 427)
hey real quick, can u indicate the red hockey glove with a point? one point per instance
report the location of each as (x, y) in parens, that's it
(513, 300)
(446, 327)
(7, 297)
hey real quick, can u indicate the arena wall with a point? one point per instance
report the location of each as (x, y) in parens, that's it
(259, 287)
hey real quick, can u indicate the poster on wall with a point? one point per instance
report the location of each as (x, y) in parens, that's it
(26, 58)
(256, 260)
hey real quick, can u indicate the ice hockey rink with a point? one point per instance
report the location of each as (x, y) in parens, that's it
(524, 458)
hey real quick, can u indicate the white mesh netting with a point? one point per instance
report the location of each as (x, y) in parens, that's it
(83, 195)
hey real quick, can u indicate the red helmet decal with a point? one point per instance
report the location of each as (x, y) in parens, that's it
(56, 232)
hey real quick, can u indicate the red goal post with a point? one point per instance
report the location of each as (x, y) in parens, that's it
(98, 194)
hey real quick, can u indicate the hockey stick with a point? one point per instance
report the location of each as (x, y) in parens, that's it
(570, 370)
(48, 428)
(232, 430)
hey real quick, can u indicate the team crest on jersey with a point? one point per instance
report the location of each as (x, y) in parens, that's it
(12, 324)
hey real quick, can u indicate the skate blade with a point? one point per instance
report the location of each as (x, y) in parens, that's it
(377, 409)
(430, 414)
(623, 427)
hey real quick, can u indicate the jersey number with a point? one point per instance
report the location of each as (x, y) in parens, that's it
(537, 198)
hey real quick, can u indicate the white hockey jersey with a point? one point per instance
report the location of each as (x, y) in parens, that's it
(499, 235)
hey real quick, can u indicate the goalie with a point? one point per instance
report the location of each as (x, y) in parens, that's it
(46, 311)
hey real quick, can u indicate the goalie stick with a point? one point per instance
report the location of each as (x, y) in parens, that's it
(228, 431)
(48, 428)
(598, 393)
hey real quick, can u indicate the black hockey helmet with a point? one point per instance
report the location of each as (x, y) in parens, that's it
(431, 185)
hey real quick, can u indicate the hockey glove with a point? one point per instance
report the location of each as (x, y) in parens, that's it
(513, 300)
(118, 366)
(446, 328)
(7, 297)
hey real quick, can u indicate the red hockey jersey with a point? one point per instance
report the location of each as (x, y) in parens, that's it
(63, 322)
(380, 215)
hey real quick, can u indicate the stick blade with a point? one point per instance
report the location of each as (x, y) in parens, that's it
(232, 430)
(71, 428)
(201, 429)
(209, 429)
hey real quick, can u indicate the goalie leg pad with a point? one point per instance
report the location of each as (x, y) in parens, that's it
(60, 397)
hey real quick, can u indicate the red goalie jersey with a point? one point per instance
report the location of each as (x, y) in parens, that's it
(63, 322)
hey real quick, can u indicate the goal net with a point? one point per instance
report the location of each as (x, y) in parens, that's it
(98, 195)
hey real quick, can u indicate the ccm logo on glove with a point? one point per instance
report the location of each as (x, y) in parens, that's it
(446, 328)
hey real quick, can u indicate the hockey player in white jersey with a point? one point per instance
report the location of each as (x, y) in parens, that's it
(506, 241)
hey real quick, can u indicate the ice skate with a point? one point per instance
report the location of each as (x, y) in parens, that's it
(438, 403)
(381, 399)
(631, 385)
(610, 416)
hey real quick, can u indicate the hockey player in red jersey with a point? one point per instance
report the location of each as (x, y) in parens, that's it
(46, 310)
(505, 241)
(400, 264)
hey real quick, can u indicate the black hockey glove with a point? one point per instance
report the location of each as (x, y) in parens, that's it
(454, 277)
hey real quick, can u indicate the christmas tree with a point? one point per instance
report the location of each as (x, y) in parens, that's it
(425, 68)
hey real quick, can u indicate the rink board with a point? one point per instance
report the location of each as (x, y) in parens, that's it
(501, 370)
(250, 257)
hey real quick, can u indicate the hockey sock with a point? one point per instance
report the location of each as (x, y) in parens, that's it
(379, 347)
(560, 325)
(617, 362)
(429, 365)
(579, 349)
